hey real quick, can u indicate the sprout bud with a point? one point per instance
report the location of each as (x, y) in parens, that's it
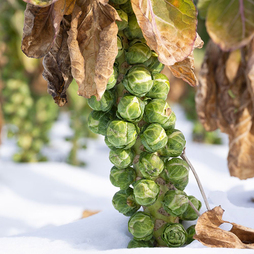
(174, 235)
(138, 53)
(190, 214)
(140, 244)
(160, 87)
(127, 8)
(153, 64)
(119, 46)
(119, 1)
(141, 226)
(124, 17)
(121, 134)
(177, 172)
(138, 81)
(121, 158)
(133, 30)
(123, 201)
(154, 137)
(122, 178)
(150, 165)
(98, 121)
(146, 192)
(104, 104)
(158, 111)
(175, 202)
(112, 79)
(190, 233)
(175, 145)
(131, 108)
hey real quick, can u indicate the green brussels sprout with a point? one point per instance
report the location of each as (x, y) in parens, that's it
(190, 214)
(133, 30)
(141, 226)
(104, 104)
(131, 108)
(121, 158)
(177, 172)
(124, 202)
(126, 7)
(174, 235)
(153, 64)
(138, 81)
(124, 17)
(158, 111)
(190, 233)
(154, 137)
(121, 134)
(160, 87)
(140, 244)
(112, 79)
(146, 192)
(122, 178)
(98, 121)
(118, 1)
(119, 46)
(137, 53)
(109, 145)
(175, 145)
(150, 165)
(175, 202)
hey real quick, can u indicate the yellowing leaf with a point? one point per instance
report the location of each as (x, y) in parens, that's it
(92, 45)
(209, 233)
(230, 24)
(169, 27)
(40, 3)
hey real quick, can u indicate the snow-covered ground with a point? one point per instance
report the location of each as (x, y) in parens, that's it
(41, 203)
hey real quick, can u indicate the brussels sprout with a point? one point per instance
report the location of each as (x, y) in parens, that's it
(119, 1)
(122, 178)
(175, 202)
(153, 64)
(140, 244)
(141, 226)
(105, 104)
(121, 158)
(109, 145)
(150, 165)
(175, 145)
(138, 81)
(112, 79)
(177, 172)
(98, 121)
(190, 214)
(174, 235)
(138, 53)
(160, 87)
(131, 108)
(190, 233)
(146, 192)
(154, 137)
(119, 46)
(127, 8)
(133, 30)
(121, 134)
(158, 111)
(124, 17)
(124, 202)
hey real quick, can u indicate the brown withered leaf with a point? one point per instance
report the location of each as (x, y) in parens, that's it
(42, 25)
(57, 66)
(209, 233)
(92, 45)
(88, 213)
(169, 27)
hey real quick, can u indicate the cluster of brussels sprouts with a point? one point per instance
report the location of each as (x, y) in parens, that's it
(139, 128)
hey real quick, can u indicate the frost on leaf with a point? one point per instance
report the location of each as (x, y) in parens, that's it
(208, 232)
(42, 25)
(168, 26)
(92, 45)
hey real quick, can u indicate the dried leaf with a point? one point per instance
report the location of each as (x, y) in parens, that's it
(88, 213)
(230, 24)
(57, 66)
(209, 233)
(41, 27)
(92, 45)
(169, 27)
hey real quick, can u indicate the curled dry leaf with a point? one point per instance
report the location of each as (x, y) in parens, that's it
(92, 45)
(169, 27)
(57, 66)
(88, 213)
(209, 233)
(42, 25)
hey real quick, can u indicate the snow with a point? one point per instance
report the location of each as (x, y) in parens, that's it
(42, 203)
